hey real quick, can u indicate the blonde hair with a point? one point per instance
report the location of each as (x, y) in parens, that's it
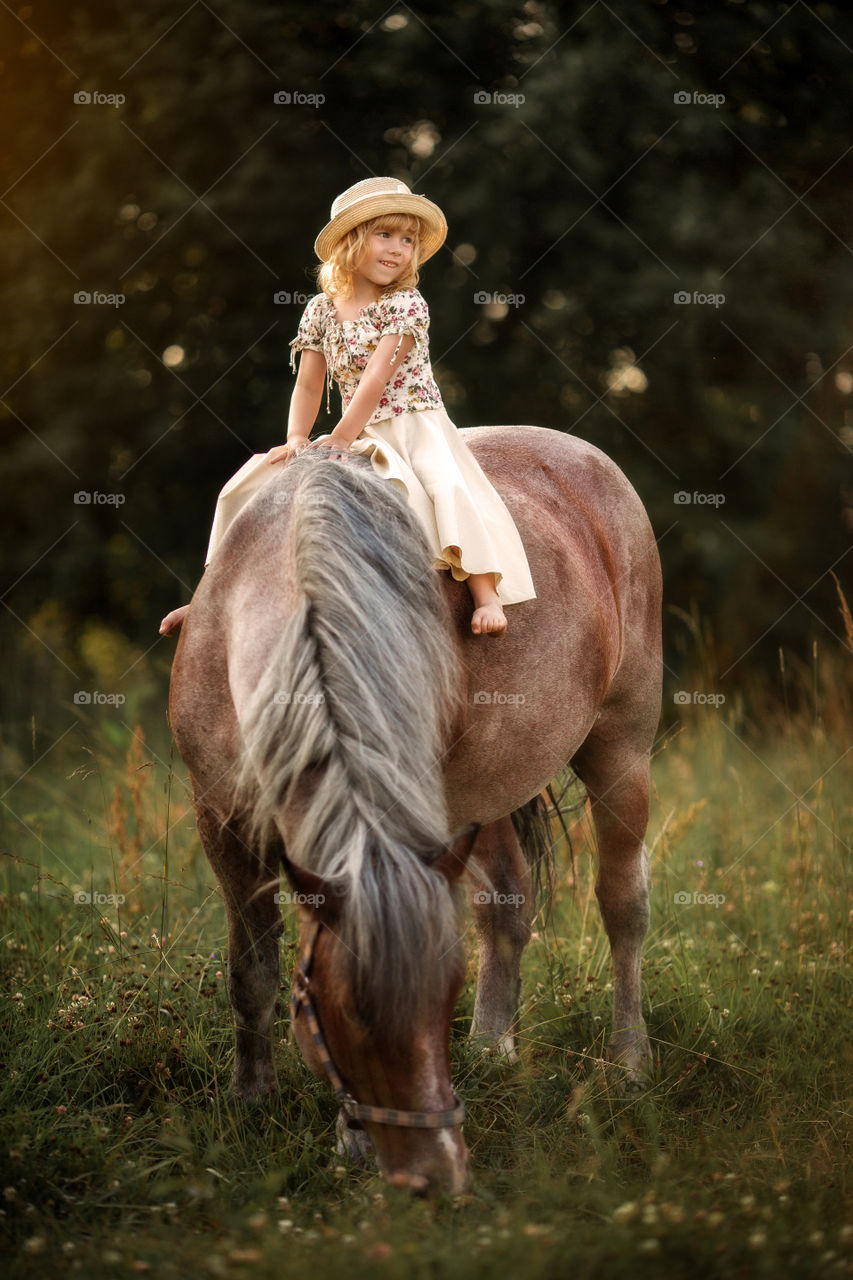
(335, 276)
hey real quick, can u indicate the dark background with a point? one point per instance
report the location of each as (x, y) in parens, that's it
(596, 199)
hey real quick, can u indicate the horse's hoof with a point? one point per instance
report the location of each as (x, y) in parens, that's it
(630, 1063)
(252, 1091)
(501, 1049)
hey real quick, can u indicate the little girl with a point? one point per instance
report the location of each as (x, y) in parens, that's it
(368, 331)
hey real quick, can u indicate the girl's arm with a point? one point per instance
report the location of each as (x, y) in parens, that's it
(377, 374)
(304, 404)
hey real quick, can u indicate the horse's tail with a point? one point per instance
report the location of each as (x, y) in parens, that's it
(344, 729)
(534, 827)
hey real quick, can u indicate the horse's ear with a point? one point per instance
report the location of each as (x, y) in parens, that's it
(310, 891)
(453, 858)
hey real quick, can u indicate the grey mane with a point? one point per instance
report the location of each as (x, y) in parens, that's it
(354, 755)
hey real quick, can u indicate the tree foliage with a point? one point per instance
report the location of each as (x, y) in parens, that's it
(584, 190)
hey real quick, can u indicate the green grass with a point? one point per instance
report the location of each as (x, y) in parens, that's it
(122, 1153)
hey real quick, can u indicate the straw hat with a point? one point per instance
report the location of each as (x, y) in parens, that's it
(370, 199)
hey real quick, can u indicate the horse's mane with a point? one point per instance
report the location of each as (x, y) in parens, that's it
(354, 752)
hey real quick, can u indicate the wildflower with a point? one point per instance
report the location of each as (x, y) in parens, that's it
(672, 1212)
(626, 1212)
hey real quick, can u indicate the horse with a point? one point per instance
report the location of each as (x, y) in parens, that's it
(341, 724)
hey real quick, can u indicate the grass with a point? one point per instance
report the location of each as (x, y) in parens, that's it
(122, 1153)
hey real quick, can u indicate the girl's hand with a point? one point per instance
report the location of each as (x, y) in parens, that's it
(284, 452)
(329, 442)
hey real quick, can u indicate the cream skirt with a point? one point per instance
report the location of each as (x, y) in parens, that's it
(467, 525)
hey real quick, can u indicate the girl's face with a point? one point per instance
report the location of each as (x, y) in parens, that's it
(386, 256)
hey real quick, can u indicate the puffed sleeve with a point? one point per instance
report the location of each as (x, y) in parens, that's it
(309, 336)
(404, 312)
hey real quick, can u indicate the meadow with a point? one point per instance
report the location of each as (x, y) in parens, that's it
(122, 1153)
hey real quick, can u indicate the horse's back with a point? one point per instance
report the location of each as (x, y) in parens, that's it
(589, 641)
(560, 473)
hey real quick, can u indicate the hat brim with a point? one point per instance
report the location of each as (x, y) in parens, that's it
(429, 214)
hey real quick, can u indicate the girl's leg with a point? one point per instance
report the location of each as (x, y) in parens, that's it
(488, 618)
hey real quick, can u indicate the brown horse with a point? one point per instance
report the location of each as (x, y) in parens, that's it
(339, 720)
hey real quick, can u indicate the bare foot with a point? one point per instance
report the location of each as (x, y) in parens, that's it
(171, 624)
(488, 620)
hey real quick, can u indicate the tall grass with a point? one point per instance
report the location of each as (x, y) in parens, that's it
(122, 1152)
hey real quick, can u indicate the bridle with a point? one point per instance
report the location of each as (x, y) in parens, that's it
(353, 1111)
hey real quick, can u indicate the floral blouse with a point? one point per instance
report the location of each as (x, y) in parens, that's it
(348, 344)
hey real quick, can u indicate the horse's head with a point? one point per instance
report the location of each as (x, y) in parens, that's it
(386, 1065)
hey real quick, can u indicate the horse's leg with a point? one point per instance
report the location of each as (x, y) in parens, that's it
(617, 783)
(502, 907)
(249, 887)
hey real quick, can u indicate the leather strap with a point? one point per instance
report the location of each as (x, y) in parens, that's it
(354, 1111)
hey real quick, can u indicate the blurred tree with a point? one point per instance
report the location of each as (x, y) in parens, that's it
(593, 163)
